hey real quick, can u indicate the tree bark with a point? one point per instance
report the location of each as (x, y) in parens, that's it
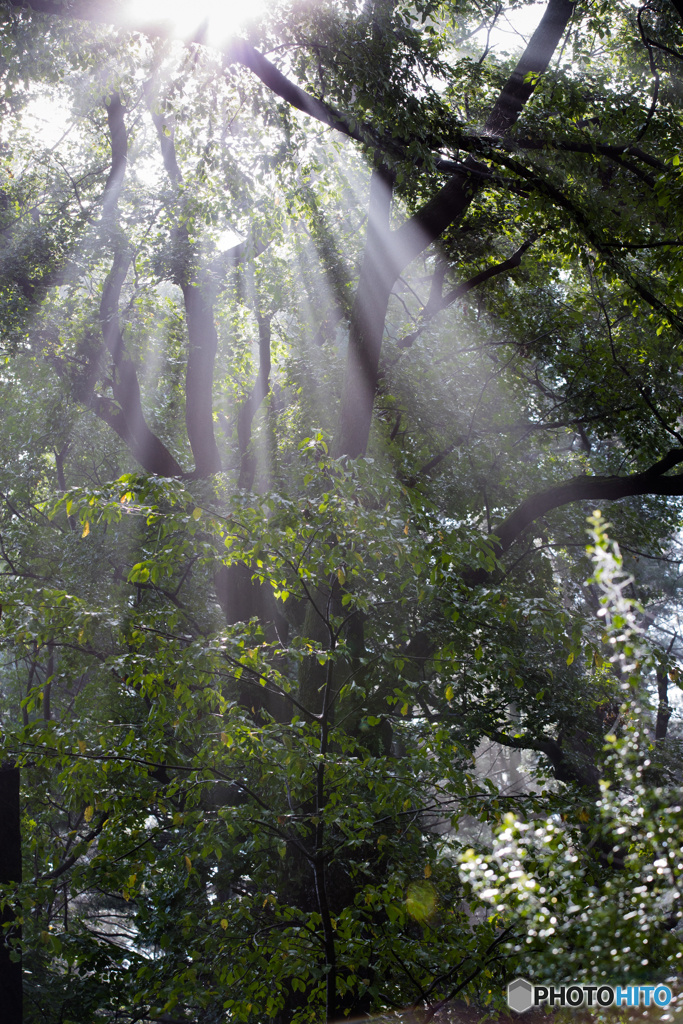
(119, 155)
(596, 488)
(10, 871)
(386, 254)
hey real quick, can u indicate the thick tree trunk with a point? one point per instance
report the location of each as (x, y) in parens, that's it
(203, 345)
(198, 294)
(377, 277)
(10, 871)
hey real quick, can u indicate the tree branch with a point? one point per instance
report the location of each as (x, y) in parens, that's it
(585, 225)
(425, 226)
(70, 861)
(387, 253)
(241, 52)
(563, 769)
(438, 302)
(119, 154)
(585, 488)
(595, 148)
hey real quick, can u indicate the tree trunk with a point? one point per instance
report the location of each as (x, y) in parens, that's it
(377, 276)
(252, 404)
(664, 708)
(10, 871)
(201, 356)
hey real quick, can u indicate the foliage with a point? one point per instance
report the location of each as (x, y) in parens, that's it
(559, 883)
(260, 692)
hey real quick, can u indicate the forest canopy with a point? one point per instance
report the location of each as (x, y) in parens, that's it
(340, 506)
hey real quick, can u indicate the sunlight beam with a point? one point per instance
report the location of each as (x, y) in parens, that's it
(211, 21)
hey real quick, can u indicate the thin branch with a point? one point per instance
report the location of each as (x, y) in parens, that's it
(438, 302)
(70, 861)
(655, 74)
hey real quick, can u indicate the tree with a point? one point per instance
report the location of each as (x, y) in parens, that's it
(247, 684)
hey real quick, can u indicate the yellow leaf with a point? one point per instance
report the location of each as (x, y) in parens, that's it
(406, 528)
(340, 576)
(89, 812)
(449, 692)
(188, 863)
(197, 513)
(224, 924)
(570, 658)
(421, 901)
(86, 529)
(676, 161)
(428, 871)
(82, 746)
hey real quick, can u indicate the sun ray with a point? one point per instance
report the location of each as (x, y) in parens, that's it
(214, 21)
